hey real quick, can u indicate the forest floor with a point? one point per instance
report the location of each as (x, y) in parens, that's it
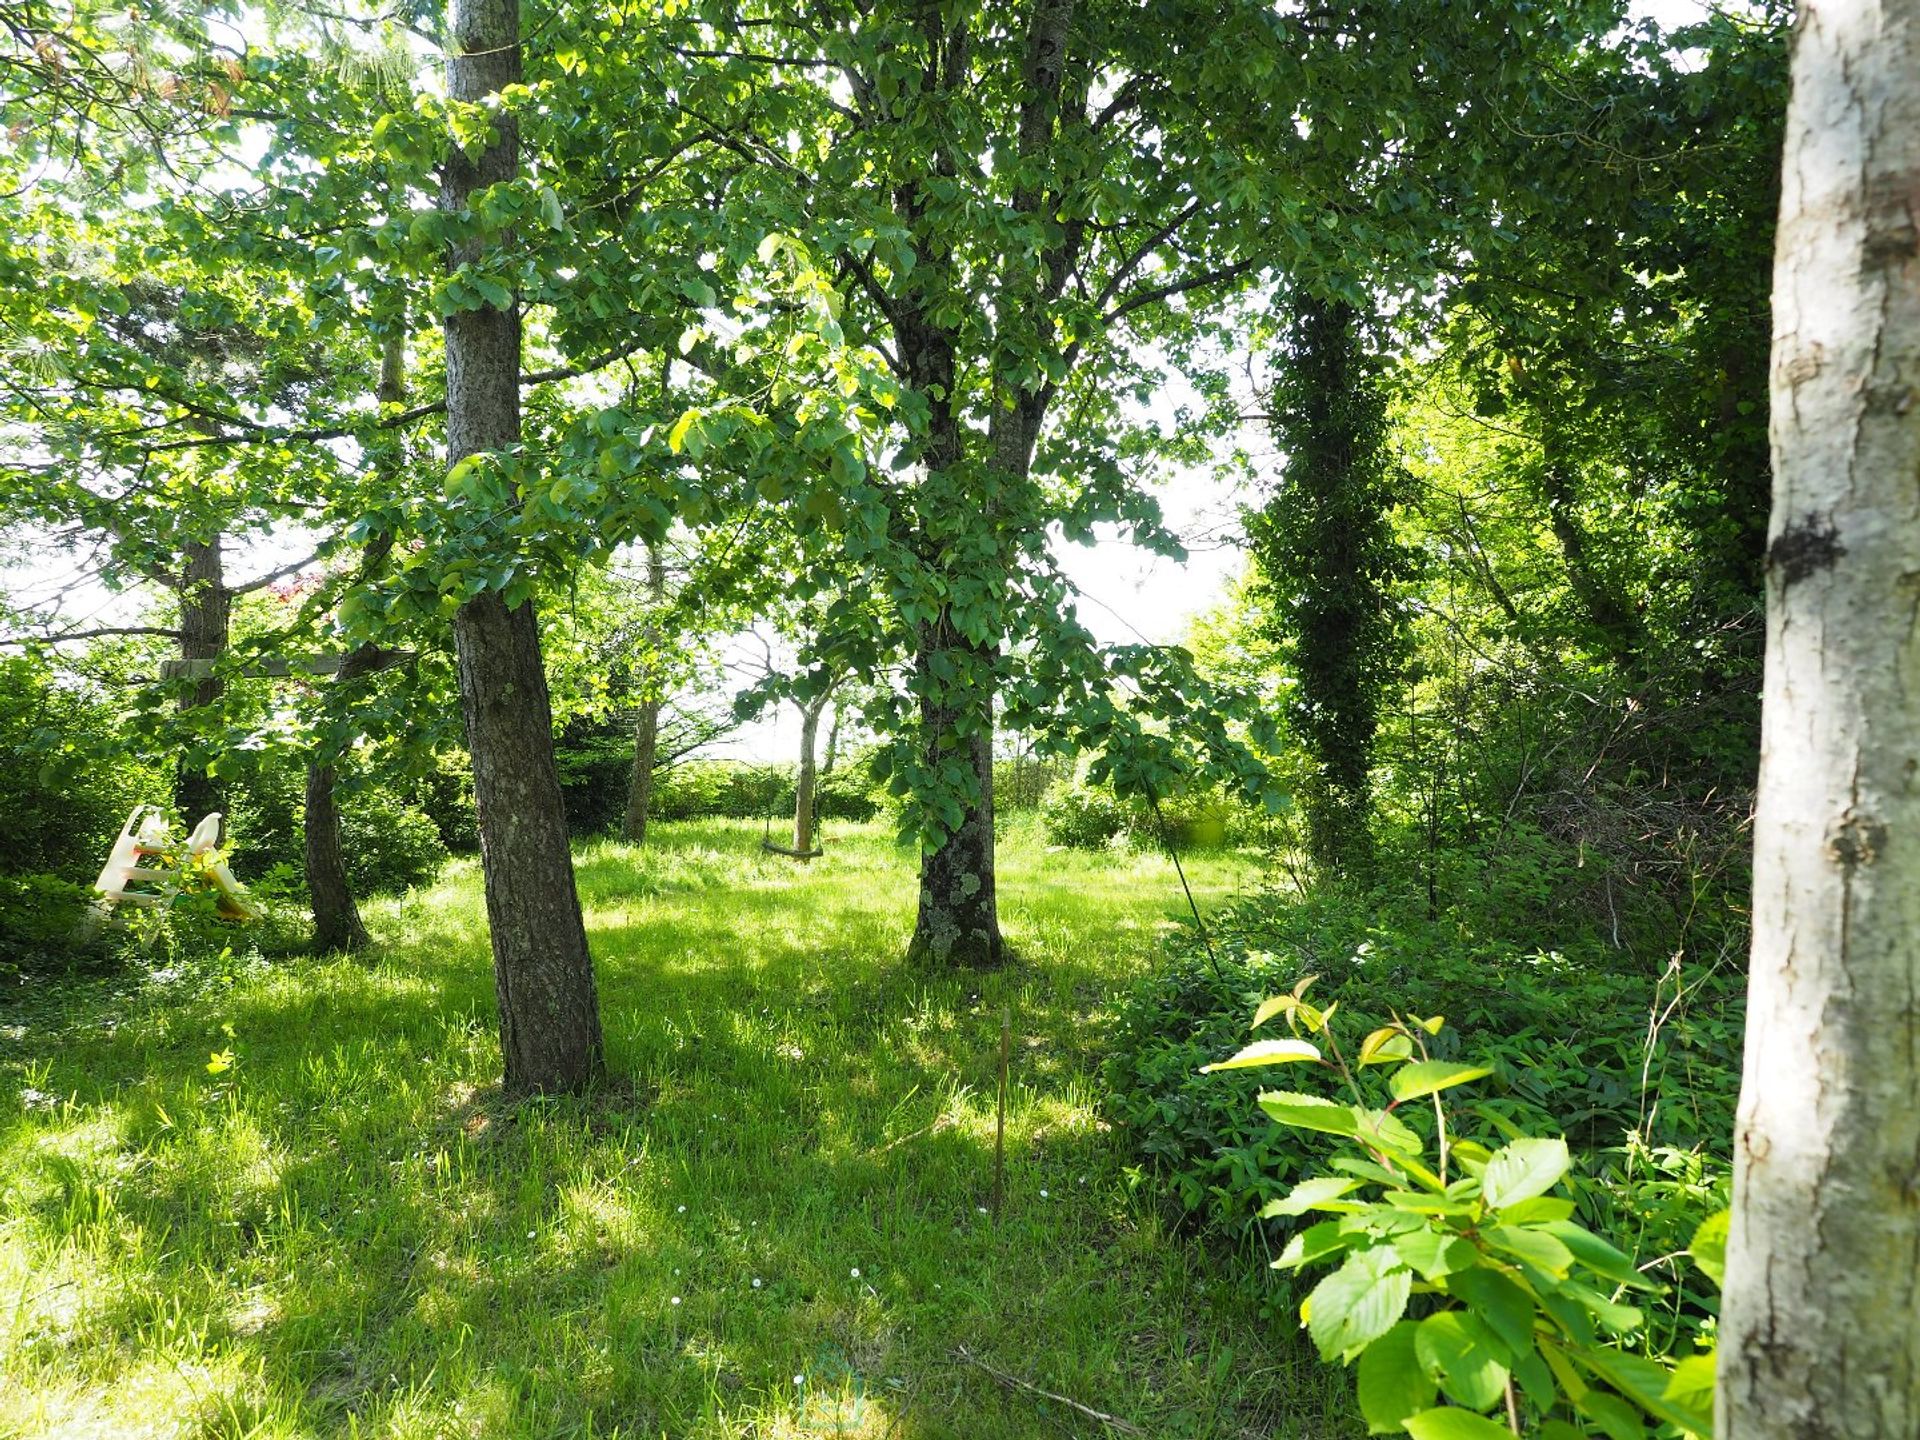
(772, 1225)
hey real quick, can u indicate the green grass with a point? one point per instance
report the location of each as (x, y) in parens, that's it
(770, 1226)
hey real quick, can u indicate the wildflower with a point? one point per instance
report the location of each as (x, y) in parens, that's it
(676, 1300)
(856, 1272)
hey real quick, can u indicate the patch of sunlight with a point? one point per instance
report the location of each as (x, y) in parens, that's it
(601, 1214)
(846, 1409)
(164, 1398)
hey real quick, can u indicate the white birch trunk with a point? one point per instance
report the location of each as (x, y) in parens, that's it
(1820, 1334)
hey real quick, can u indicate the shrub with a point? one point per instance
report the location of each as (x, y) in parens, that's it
(1572, 1041)
(1519, 1309)
(62, 806)
(390, 842)
(42, 925)
(1082, 817)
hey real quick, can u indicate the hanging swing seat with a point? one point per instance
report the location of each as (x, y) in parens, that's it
(775, 848)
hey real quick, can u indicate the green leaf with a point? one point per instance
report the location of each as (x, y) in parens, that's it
(677, 437)
(550, 210)
(1433, 1253)
(1465, 1355)
(1646, 1384)
(1266, 1052)
(1454, 1424)
(1536, 1247)
(1522, 1170)
(1596, 1254)
(1322, 1192)
(1313, 1243)
(1423, 1077)
(1272, 1006)
(1384, 1046)
(495, 294)
(1358, 1303)
(1310, 1112)
(1692, 1381)
(1709, 1247)
(1507, 1309)
(1392, 1382)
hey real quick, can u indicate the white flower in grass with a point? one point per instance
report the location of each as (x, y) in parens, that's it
(756, 1282)
(676, 1300)
(799, 1379)
(855, 1272)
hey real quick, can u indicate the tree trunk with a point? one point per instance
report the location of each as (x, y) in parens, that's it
(958, 922)
(646, 729)
(832, 757)
(543, 973)
(1606, 609)
(807, 778)
(336, 918)
(1818, 1339)
(206, 620)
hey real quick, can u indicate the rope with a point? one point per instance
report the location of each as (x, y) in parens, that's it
(1166, 838)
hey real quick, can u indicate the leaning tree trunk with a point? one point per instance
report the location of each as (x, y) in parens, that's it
(646, 728)
(543, 973)
(206, 621)
(958, 922)
(336, 918)
(1817, 1333)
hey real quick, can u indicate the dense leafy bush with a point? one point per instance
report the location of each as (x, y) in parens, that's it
(389, 840)
(61, 804)
(41, 925)
(1082, 817)
(1565, 1042)
(1518, 1307)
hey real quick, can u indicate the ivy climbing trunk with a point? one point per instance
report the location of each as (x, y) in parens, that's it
(958, 920)
(336, 917)
(646, 725)
(1818, 1339)
(543, 973)
(206, 623)
(1327, 560)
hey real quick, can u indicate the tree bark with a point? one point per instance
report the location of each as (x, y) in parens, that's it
(646, 728)
(206, 622)
(958, 921)
(336, 917)
(1818, 1339)
(806, 781)
(543, 973)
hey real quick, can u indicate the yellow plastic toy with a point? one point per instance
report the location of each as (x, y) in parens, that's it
(146, 866)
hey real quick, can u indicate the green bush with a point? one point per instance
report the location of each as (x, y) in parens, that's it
(1567, 1045)
(389, 840)
(61, 805)
(1082, 817)
(1519, 1309)
(42, 925)
(390, 844)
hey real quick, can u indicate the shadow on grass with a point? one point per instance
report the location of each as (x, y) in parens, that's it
(772, 1225)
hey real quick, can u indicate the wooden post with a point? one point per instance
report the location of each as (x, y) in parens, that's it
(1000, 1130)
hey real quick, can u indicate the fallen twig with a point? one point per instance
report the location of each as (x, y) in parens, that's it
(1014, 1382)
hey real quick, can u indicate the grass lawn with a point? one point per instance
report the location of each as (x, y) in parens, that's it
(772, 1225)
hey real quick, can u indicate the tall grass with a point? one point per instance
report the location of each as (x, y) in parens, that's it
(772, 1225)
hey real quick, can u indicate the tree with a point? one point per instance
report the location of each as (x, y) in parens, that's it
(543, 973)
(1328, 560)
(1817, 1334)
